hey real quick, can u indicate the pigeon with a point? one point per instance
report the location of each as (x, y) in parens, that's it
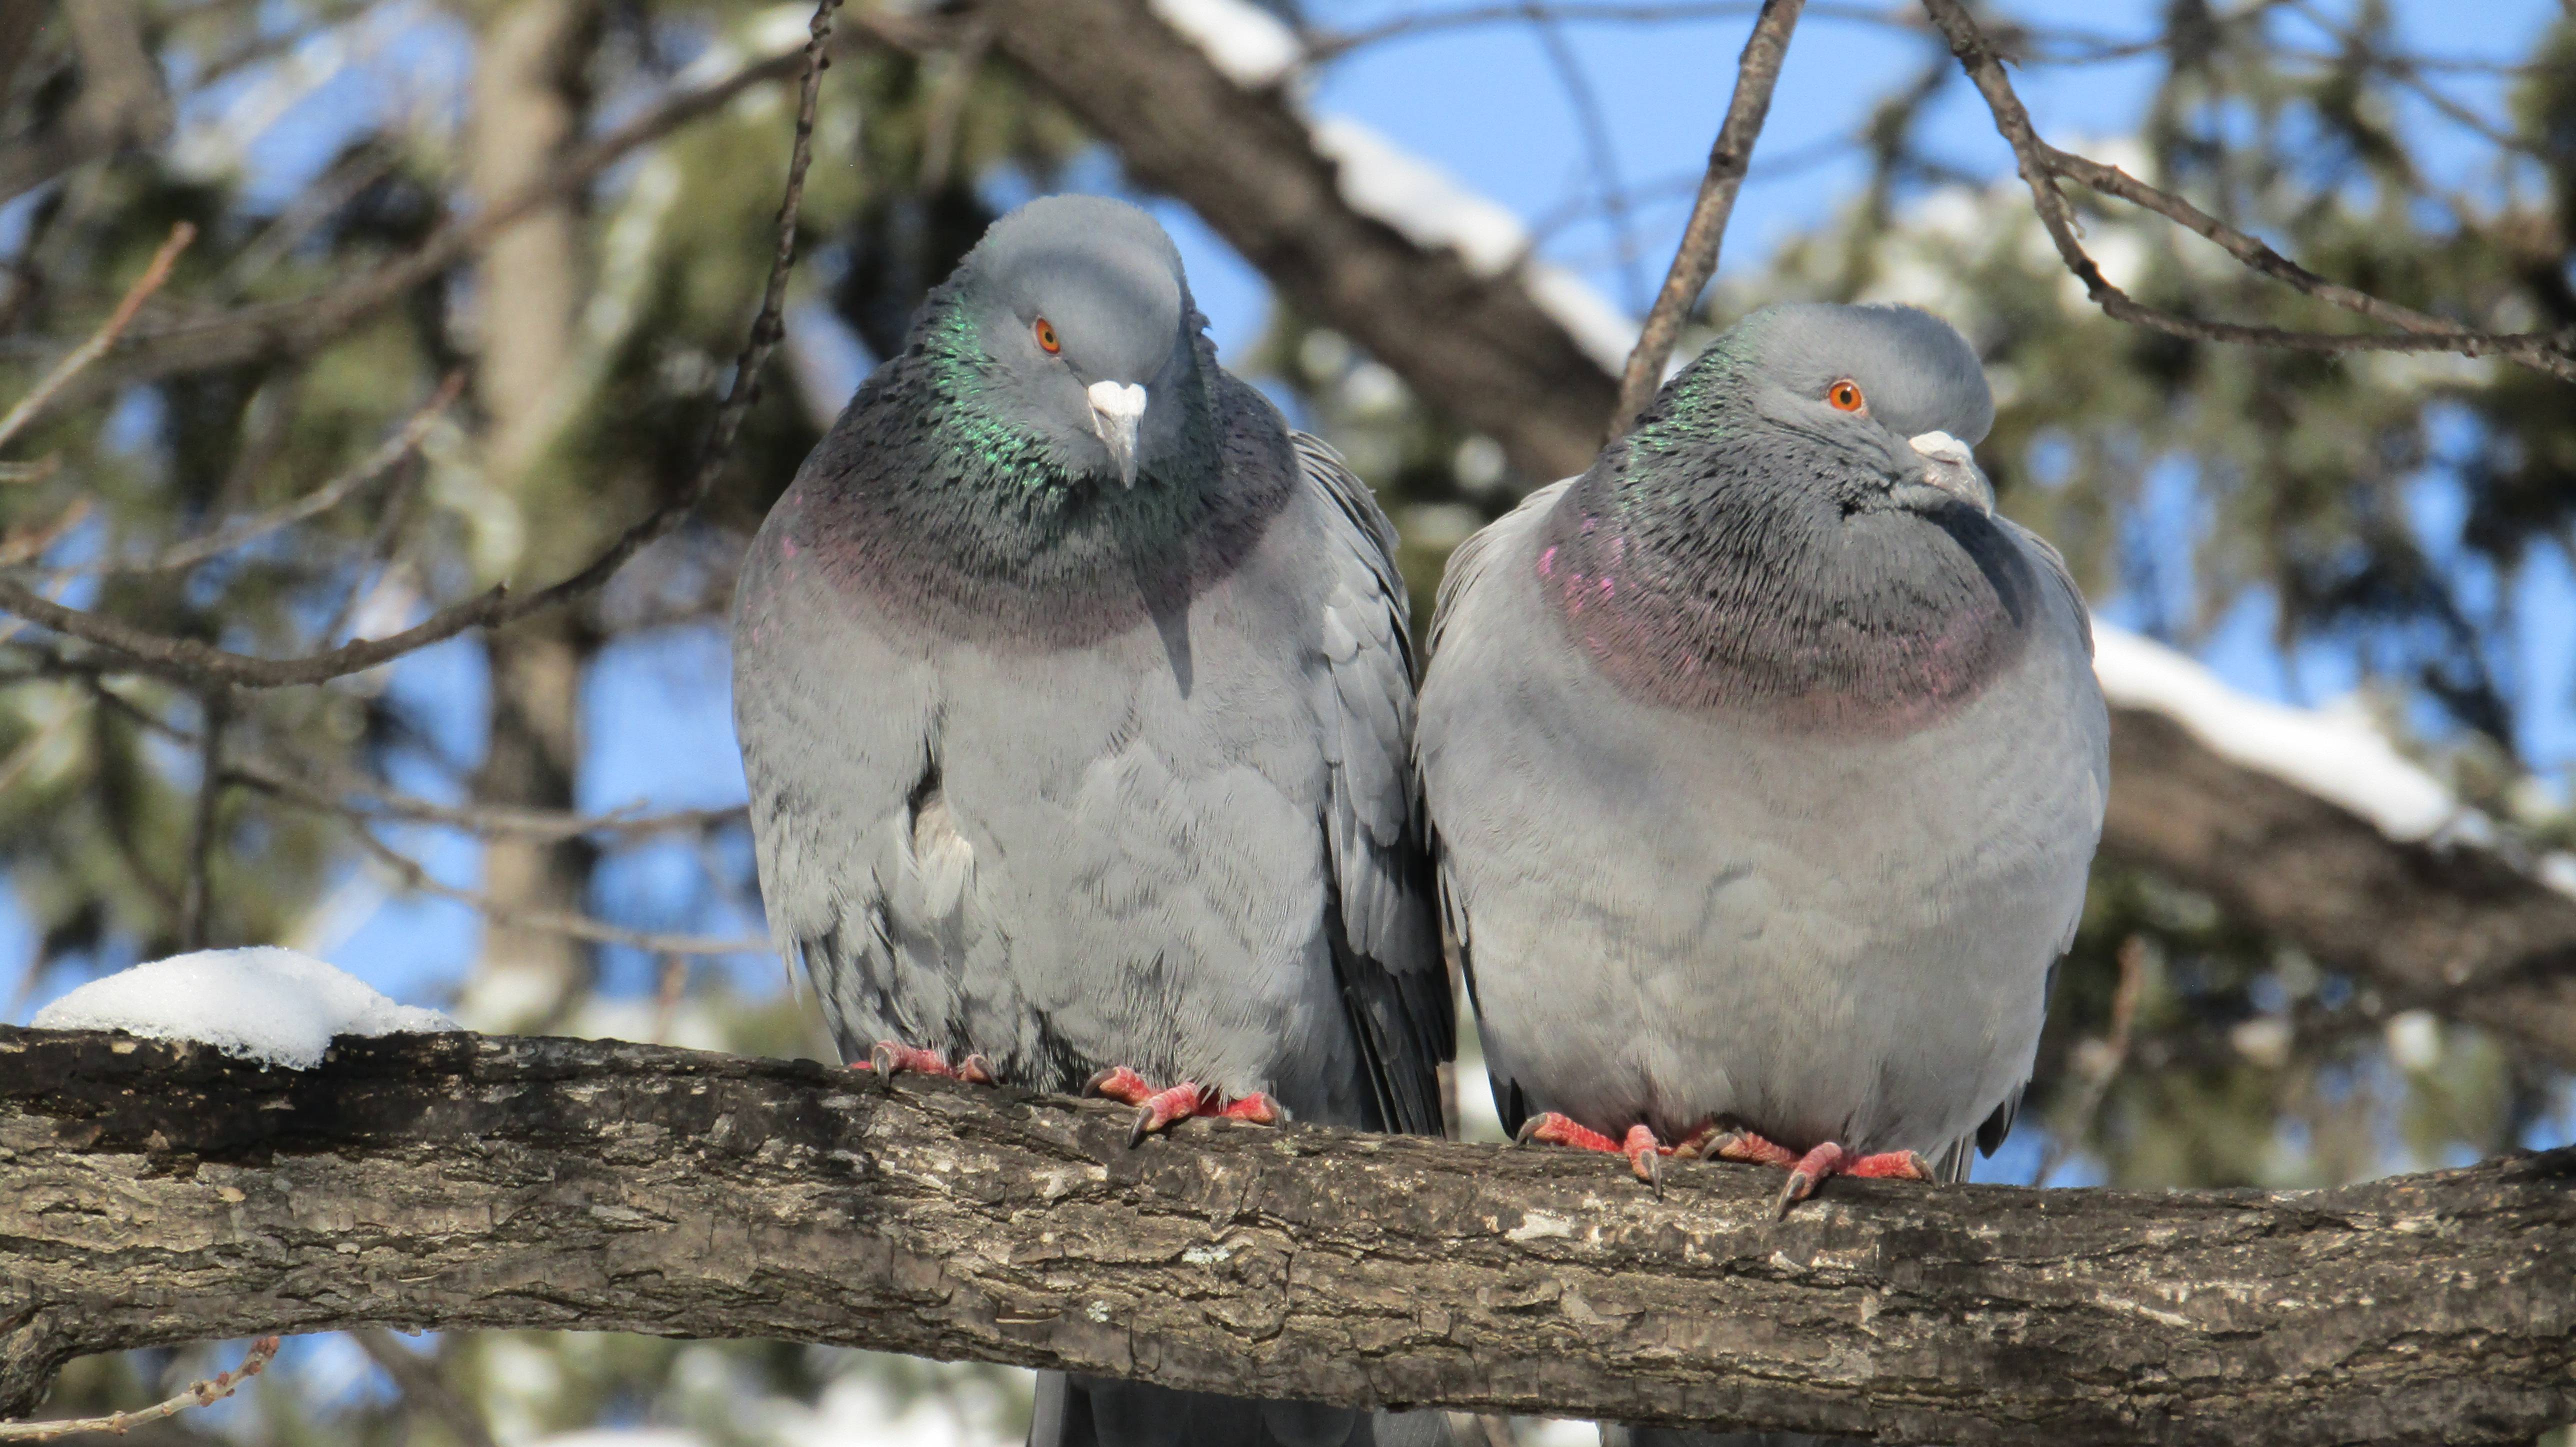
(1766, 765)
(1075, 694)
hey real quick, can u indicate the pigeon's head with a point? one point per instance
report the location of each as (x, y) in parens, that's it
(1076, 327)
(1891, 396)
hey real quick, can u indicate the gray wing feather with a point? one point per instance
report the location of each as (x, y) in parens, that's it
(1393, 980)
(839, 862)
(1466, 569)
(1953, 1165)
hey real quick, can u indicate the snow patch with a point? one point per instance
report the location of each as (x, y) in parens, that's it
(1434, 211)
(271, 1005)
(1425, 204)
(1251, 45)
(2336, 755)
(1420, 200)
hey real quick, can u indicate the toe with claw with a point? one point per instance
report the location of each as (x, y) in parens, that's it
(1644, 1152)
(892, 1058)
(1160, 1110)
(1815, 1167)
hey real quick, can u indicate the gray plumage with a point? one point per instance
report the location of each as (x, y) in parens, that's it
(1080, 750)
(1766, 764)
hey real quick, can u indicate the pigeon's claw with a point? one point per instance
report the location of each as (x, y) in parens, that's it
(1744, 1145)
(1163, 1109)
(891, 1058)
(1160, 1110)
(1645, 1153)
(1120, 1084)
(1257, 1108)
(1829, 1159)
(1551, 1129)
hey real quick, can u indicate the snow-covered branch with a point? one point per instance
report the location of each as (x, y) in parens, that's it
(2309, 824)
(154, 1192)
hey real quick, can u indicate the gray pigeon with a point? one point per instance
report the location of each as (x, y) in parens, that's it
(1766, 764)
(1074, 692)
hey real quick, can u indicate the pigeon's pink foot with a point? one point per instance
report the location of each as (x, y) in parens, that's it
(1811, 1170)
(1645, 1153)
(1160, 1110)
(890, 1059)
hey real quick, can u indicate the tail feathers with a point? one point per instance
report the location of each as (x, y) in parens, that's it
(1096, 1412)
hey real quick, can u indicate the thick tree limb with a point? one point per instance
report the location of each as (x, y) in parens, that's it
(152, 1193)
(1478, 346)
(2455, 928)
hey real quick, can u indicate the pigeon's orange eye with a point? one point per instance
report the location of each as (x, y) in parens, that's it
(1047, 337)
(1845, 395)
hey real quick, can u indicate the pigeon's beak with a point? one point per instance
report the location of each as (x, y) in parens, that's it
(1949, 467)
(1116, 408)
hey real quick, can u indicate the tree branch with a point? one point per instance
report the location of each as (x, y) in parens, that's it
(79, 358)
(241, 532)
(204, 667)
(2041, 164)
(279, 330)
(2457, 927)
(459, 1182)
(1695, 261)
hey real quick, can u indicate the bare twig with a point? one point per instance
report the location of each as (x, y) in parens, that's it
(1608, 190)
(203, 666)
(423, 1387)
(23, 757)
(2042, 164)
(18, 547)
(291, 328)
(197, 904)
(269, 778)
(414, 876)
(667, 993)
(1331, 45)
(1756, 71)
(2099, 1067)
(322, 499)
(105, 337)
(948, 104)
(198, 1394)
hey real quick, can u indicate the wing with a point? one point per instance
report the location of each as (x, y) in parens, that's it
(1953, 1164)
(2053, 563)
(1466, 570)
(1394, 984)
(834, 723)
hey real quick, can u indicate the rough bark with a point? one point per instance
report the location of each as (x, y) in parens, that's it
(1246, 163)
(2464, 931)
(153, 1193)
(2459, 929)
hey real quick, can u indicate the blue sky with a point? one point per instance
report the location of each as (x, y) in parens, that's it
(1485, 104)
